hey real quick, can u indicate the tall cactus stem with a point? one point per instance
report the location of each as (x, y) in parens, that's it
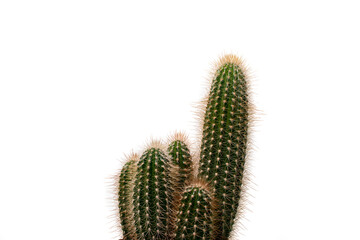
(223, 150)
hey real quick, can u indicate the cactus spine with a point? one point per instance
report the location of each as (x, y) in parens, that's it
(195, 216)
(126, 182)
(224, 142)
(153, 194)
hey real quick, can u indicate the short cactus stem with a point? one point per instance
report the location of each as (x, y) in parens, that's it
(225, 138)
(153, 195)
(180, 156)
(125, 191)
(195, 215)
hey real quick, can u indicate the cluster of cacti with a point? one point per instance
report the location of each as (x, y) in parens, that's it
(168, 194)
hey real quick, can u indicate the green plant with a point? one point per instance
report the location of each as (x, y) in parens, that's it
(153, 194)
(170, 196)
(180, 156)
(196, 213)
(126, 182)
(225, 138)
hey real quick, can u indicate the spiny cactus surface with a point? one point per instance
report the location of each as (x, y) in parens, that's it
(126, 182)
(225, 136)
(194, 219)
(153, 195)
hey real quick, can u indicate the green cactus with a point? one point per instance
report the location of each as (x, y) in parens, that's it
(164, 195)
(126, 182)
(153, 190)
(180, 156)
(225, 138)
(195, 216)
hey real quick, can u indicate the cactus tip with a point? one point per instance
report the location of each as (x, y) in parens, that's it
(155, 144)
(178, 136)
(230, 59)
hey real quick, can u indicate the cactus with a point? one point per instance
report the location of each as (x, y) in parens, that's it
(180, 156)
(164, 195)
(153, 194)
(125, 197)
(225, 138)
(195, 216)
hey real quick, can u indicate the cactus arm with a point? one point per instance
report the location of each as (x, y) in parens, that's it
(195, 216)
(179, 153)
(152, 195)
(125, 193)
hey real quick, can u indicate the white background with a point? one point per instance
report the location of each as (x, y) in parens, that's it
(84, 82)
